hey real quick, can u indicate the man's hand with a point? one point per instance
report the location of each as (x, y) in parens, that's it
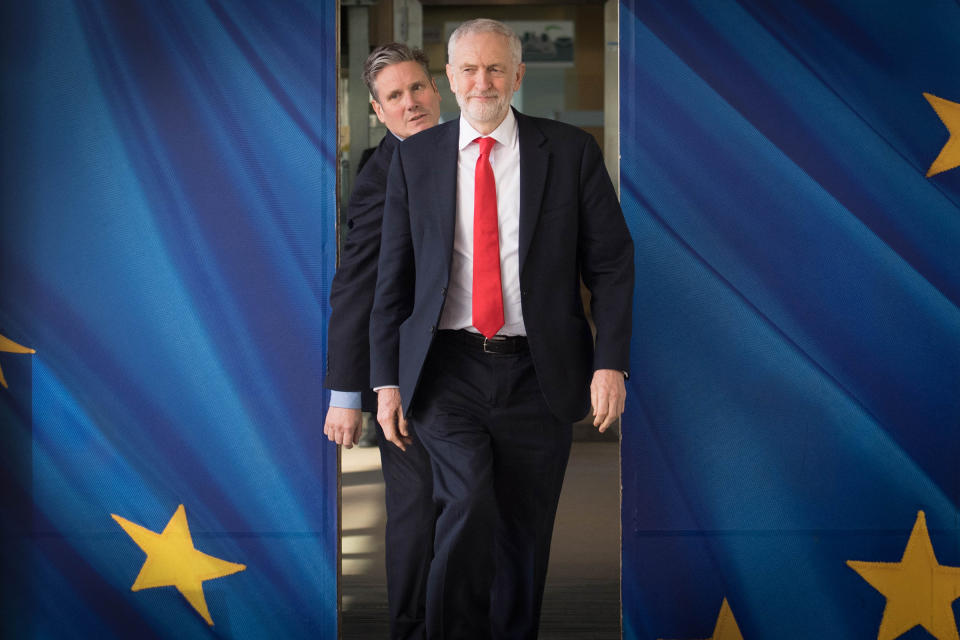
(343, 426)
(390, 417)
(607, 396)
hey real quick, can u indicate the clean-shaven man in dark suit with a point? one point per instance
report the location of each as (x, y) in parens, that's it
(406, 100)
(478, 332)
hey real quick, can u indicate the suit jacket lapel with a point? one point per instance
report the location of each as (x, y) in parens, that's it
(534, 158)
(445, 206)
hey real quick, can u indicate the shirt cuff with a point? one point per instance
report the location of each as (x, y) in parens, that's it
(345, 399)
(386, 386)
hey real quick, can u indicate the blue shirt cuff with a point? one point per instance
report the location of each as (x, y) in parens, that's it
(345, 399)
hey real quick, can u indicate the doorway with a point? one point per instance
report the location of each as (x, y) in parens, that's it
(575, 81)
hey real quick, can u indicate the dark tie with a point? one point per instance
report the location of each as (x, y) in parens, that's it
(487, 294)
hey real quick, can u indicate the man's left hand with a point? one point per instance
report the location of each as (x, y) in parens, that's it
(343, 426)
(607, 397)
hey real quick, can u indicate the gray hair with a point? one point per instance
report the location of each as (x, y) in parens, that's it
(486, 25)
(386, 55)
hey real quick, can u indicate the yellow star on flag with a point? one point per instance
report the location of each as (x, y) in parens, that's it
(9, 346)
(949, 113)
(172, 560)
(727, 628)
(918, 589)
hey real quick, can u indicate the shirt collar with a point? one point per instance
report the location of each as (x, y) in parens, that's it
(505, 134)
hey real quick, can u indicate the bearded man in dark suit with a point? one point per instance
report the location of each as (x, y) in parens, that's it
(406, 100)
(479, 336)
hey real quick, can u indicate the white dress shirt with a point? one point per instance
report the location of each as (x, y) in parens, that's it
(505, 161)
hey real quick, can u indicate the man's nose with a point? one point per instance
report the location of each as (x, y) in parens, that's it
(482, 80)
(408, 100)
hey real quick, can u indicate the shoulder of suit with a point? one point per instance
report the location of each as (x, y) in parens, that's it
(379, 161)
(428, 138)
(385, 149)
(371, 181)
(553, 129)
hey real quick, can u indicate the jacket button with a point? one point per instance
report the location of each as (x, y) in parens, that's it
(433, 329)
(443, 291)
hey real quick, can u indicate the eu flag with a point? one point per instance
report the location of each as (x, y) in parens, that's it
(166, 246)
(791, 175)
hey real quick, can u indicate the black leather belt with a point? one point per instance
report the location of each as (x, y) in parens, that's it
(499, 345)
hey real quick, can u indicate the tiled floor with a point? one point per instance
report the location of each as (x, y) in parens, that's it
(582, 600)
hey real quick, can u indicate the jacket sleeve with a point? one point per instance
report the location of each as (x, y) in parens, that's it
(606, 261)
(393, 300)
(351, 294)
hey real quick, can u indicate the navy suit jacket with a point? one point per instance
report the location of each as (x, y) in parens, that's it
(571, 226)
(351, 294)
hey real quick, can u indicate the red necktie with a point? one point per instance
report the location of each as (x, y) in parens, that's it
(487, 295)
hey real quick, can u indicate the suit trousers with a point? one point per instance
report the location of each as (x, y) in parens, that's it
(411, 514)
(499, 456)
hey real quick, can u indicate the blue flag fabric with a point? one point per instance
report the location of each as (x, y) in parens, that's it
(795, 398)
(169, 180)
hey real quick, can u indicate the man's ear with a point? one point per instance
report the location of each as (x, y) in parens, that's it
(451, 78)
(521, 69)
(377, 109)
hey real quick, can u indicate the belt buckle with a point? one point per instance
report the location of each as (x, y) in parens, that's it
(491, 340)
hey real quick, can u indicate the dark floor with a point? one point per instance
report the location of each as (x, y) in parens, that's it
(582, 599)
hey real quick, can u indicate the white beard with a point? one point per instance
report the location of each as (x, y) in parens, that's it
(484, 111)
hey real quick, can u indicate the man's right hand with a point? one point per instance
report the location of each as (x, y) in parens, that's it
(343, 426)
(390, 417)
